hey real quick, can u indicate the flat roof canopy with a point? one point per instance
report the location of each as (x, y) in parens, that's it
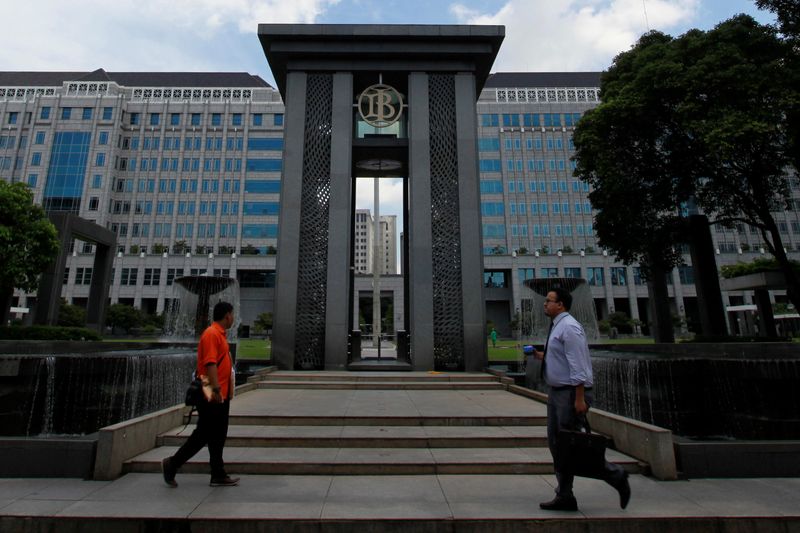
(380, 48)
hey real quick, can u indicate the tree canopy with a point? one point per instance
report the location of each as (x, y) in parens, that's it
(28, 241)
(699, 119)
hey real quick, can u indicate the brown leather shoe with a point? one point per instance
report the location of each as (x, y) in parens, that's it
(169, 472)
(560, 503)
(226, 481)
(624, 490)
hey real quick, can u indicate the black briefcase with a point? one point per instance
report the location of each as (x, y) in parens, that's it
(580, 452)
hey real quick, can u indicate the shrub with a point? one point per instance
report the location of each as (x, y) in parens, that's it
(71, 316)
(758, 265)
(47, 333)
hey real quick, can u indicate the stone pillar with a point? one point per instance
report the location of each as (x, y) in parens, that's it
(341, 209)
(289, 223)
(706, 277)
(475, 348)
(420, 268)
(765, 314)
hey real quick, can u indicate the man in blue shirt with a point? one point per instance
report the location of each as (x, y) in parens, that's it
(567, 369)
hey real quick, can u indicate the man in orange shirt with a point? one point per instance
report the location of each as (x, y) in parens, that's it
(214, 362)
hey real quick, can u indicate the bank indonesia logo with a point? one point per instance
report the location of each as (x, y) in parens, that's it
(380, 105)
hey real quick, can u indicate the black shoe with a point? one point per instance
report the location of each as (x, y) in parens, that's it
(560, 503)
(169, 472)
(624, 490)
(226, 481)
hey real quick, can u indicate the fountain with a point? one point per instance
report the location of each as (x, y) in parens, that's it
(189, 313)
(534, 324)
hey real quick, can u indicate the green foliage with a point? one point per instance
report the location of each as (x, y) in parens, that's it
(124, 316)
(159, 248)
(705, 117)
(47, 333)
(179, 247)
(71, 315)
(263, 322)
(621, 321)
(758, 265)
(28, 240)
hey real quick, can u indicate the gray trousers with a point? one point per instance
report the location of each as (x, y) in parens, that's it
(561, 415)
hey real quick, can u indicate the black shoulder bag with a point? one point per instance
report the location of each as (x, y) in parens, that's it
(580, 452)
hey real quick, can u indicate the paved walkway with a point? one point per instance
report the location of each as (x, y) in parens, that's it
(393, 497)
(443, 447)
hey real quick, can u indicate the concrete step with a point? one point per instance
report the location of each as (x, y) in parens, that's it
(370, 461)
(382, 385)
(383, 420)
(378, 376)
(373, 437)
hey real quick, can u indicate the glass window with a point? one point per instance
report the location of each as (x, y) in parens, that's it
(236, 119)
(195, 119)
(36, 159)
(263, 165)
(490, 120)
(134, 119)
(619, 276)
(572, 272)
(595, 276)
(155, 119)
(494, 279)
(45, 113)
(262, 186)
(39, 138)
(87, 113)
(100, 159)
(510, 120)
(256, 143)
(278, 119)
(108, 113)
(489, 165)
(66, 113)
(32, 179)
(258, 119)
(102, 138)
(216, 119)
(174, 119)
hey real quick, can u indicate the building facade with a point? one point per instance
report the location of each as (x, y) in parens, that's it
(364, 241)
(185, 168)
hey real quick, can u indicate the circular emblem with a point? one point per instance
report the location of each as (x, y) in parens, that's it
(380, 105)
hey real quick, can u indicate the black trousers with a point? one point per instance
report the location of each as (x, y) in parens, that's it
(211, 430)
(561, 415)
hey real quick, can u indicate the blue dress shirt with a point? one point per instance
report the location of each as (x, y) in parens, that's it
(567, 357)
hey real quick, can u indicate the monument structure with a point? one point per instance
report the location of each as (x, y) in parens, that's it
(377, 101)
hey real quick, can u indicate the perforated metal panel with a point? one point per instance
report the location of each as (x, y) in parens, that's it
(448, 323)
(312, 267)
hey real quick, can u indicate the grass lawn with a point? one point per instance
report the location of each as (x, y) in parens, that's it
(254, 349)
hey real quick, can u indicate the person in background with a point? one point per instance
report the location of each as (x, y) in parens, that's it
(493, 336)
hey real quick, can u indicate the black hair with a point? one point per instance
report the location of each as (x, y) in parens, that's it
(563, 296)
(221, 309)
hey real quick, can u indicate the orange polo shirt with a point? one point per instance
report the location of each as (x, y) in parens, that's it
(213, 348)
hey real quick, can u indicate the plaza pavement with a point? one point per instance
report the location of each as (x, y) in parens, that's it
(345, 421)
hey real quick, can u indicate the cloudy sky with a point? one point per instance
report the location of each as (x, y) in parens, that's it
(220, 35)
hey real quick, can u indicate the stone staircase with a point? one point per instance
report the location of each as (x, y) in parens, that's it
(377, 423)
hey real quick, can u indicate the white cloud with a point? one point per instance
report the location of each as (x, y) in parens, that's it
(571, 35)
(138, 34)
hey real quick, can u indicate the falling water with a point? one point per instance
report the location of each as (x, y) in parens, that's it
(534, 324)
(78, 394)
(191, 308)
(702, 397)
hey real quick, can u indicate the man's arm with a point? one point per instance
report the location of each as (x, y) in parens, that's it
(213, 380)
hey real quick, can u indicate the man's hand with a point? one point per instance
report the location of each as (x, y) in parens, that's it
(580, 406)
(216, 397)
(538, 355)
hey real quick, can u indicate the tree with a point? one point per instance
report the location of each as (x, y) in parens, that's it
(123, 316)
(263, 322)
(28, 243)
(738, 92)
(632, 153)
(699, 119)
(71, 315)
